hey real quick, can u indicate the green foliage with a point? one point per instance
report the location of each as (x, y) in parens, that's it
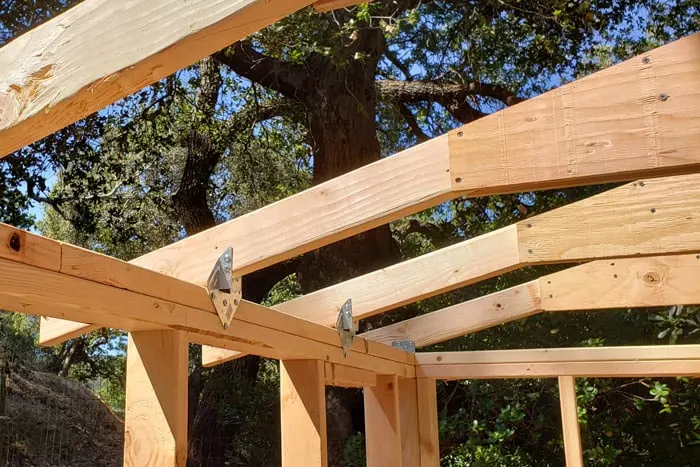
(485, 456)
(355, 454)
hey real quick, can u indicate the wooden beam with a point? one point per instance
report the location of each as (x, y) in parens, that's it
(428, 425)
(546, 142)
(303, 407)
(616, 283)
(457, 320)
(155, 421)
(654, 216)
(613, 362)
(613, 125)
(54, 331)
(391, 423)
(100, 51)
(146, 304)
(569, 420)
(365, 198)
(323, 6)
(623, 283)
(348, 377)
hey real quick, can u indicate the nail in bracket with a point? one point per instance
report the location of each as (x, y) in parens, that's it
(225, 291)
(345, 326)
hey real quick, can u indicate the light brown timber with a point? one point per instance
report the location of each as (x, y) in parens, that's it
(428, 425)
(155, 422)
(615, 283)
(679, 360)
(638, 117)
(101, 51)
(303, 413)
(391, 423)
(596, 151)
(573, 448)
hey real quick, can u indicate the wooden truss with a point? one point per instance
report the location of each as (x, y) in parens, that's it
(634, 246)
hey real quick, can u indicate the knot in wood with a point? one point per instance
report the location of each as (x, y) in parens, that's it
(652, 277)
(15, 242)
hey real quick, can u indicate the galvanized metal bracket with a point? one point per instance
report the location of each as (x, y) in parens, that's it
(225, 291)
(406, 346)
(345, 326)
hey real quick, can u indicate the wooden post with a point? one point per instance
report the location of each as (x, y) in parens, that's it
(156, 399)
(303, 406)
(391, 423)
(428, 423)
(569, 421)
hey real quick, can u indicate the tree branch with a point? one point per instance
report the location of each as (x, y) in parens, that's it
(421, 91)
(242, 58)
(415, 128)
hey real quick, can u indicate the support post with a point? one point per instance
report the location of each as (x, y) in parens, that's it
(569, 422)
(303, 406)
(391, 423)
(428, 423)
(156, 399)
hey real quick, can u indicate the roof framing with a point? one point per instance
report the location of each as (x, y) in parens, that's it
(569, 136)
(639, 118)
(652, 217)
(606, 284)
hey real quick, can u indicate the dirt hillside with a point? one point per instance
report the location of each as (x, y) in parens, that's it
(52, 421)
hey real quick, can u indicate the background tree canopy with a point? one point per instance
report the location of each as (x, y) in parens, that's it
(310, 98)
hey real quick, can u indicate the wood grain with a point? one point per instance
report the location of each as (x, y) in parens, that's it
(303, 413)
(471, 316)
(569, 419)
(155, 422)
(653, 216)
(639, 117)
(624, 283)
(101, 51)
(647, 361)
(428, 424)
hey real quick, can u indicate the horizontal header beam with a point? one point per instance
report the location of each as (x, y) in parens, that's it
(71, 283)
(101, 51)
(612, 362)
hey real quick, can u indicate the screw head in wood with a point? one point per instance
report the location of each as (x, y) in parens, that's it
(663, 97)
(646, 60)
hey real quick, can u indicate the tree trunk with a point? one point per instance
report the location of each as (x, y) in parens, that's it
(341, 104)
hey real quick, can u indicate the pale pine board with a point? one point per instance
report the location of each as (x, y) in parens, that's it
(101, 51)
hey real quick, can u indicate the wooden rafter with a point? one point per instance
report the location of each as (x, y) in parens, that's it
(101, 51)
(651, 217)
(49, 284)
(651, 361)
(569, 136)
(323, 6)
(620, 283)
